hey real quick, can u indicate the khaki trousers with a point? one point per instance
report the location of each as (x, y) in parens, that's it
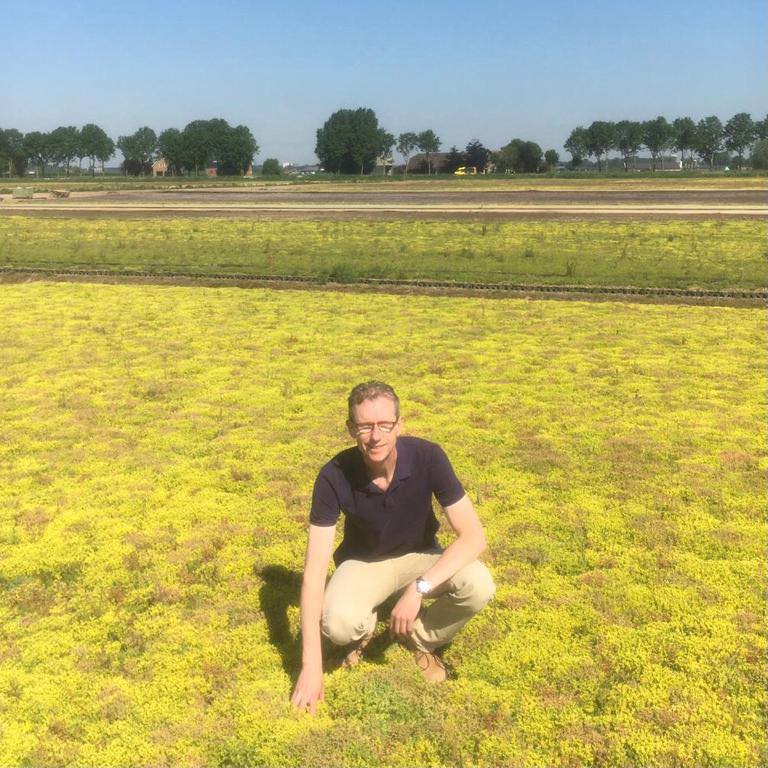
(358, 588)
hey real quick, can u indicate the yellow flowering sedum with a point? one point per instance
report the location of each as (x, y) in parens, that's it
(158, 450)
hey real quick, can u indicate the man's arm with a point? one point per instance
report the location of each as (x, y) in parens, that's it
(309, 686)
(466, 548)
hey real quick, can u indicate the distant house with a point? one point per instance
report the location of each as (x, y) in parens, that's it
(213, 169)
(418, 163)
(663, 163)
(383, 166)
(160, 167)
(302, 170)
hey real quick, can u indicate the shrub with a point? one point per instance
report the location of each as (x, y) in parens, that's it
(271, 167)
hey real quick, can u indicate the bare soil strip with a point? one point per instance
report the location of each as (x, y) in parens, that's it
(395, 202)
(666, 211)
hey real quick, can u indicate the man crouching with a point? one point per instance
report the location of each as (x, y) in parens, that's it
(384, 487)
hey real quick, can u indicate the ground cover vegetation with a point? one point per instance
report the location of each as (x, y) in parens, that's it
(680, 254)
(158, 451)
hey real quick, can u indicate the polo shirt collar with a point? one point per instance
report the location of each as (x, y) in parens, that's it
(403, 469)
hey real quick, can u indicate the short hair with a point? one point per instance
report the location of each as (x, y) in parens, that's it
(370, 390)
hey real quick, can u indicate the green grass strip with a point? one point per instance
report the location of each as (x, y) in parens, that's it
(709, 254)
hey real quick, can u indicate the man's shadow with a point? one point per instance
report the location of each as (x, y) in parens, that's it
(280, 589)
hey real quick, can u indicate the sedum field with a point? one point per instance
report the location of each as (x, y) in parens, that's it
(158, 450)
(710, 254)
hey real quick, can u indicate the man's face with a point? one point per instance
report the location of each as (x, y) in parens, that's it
(376, 445)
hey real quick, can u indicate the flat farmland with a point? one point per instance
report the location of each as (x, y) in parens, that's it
(157, 455)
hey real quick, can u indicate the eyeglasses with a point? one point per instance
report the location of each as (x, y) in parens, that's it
(366, 429)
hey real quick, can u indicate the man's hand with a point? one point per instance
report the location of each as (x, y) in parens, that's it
(308, 690)
(404, 612)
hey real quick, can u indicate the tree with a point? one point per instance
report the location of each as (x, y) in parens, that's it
(171, 148)
(204, 142)
(759, 156)
(600, 140)
(529, 158)
(14, 152)
(96, 145)
(196, 145)
(64, 143)
(684, 137)
(506, 159)
(349, 141)
(476, 155)
(428, 142)
(519, 156)
(406, 143)
(551, 159)
(577, 145)
(4, 145)
(657, 136)
(271, 167)
(739, 134)
(138, 150)
(628, 140)
(234, 149)
(385, 143)
(761, 128)
(104, 151)
(454, 161)
(37, 148)
(709, 138)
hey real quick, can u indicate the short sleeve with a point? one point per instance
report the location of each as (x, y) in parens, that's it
(325, 503)
(443, 481)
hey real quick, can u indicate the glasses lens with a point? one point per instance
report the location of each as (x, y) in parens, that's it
(384, 426)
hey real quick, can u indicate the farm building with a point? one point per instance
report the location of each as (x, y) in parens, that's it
(383, 166)
(664, 163)
(418, 163)
(160, 167)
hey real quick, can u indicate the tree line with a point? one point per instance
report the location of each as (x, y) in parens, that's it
(200, 144)
(707, 139)
(351, 141)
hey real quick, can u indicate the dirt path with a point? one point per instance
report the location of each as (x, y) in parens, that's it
(373, 211)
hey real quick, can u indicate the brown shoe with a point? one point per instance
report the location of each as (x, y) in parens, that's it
(352, 659)
(431, 665)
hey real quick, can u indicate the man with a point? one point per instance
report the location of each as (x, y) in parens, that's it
(384, 486)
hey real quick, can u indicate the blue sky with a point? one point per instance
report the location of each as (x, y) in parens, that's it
(487, 69)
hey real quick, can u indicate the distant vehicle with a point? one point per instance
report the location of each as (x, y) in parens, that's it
(465, 170)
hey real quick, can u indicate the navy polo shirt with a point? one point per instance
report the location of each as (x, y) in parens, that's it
(385, 523)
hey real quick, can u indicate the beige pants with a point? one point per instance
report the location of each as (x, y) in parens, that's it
(357, 588)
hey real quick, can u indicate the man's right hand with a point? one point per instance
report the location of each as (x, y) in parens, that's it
(308, 690)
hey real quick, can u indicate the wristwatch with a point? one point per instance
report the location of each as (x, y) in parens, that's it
(423, 587)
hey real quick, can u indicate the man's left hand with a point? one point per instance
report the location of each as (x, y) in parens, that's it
(405, 612)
